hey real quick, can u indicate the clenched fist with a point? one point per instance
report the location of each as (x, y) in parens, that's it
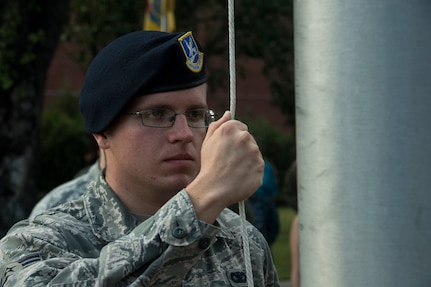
(231, 168)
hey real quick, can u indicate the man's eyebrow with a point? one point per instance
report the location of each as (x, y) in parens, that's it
(194, 107)
(153, 106)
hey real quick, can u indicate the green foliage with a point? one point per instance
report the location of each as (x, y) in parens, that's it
(265, 31)
(18, 45)
(9, 25)
(64, 143)
(280, 248)
(97, 22)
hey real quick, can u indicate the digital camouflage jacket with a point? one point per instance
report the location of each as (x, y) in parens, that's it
(94, 241)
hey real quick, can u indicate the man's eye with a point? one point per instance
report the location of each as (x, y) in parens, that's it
(155, 113)
(196, 114)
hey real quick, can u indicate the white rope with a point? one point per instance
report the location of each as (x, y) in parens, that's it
(232, 72)
(232, 88)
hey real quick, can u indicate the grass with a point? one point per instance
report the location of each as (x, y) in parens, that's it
(280, 248)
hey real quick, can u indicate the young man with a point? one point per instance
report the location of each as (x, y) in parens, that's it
(156, 215)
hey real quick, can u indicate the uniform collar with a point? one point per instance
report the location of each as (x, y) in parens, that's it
(107, 215)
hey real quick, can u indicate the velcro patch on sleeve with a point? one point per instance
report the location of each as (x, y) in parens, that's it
(14, 267)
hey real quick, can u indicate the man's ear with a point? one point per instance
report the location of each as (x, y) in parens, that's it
(102, 140)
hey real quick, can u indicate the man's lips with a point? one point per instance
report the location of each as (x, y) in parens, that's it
(180, 157)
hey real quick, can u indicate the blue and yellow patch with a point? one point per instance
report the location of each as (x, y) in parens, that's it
(194, 57)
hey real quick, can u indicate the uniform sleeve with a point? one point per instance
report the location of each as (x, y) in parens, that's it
(158, 252)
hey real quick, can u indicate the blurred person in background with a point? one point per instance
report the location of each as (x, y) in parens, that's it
(265, 213)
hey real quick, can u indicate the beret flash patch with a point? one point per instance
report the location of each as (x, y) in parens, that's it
(194, 57)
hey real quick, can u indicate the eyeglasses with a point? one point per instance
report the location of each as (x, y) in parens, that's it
(165, 118)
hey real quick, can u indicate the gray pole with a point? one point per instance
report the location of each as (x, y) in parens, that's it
(363, 84)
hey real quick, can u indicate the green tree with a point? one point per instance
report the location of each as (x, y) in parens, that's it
(95, 23)
(29, 32)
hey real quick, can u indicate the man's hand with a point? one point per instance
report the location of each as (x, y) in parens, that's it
(231, 168)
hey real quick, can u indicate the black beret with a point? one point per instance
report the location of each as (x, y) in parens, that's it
(136, 64)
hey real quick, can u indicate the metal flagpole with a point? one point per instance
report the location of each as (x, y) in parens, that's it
(363, 107)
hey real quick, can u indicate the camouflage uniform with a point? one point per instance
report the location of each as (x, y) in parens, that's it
(94, 241)
(67, 191)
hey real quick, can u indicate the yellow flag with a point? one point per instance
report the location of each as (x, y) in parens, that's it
(160, 15)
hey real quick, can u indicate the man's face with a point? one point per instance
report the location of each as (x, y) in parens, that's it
(156, 160)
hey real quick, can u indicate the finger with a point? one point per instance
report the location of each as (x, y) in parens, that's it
(215, 125)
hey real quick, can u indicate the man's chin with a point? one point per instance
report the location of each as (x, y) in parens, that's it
(178, 182)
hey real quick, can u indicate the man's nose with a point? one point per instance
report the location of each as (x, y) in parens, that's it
(181, 130)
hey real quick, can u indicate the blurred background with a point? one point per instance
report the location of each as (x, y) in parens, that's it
(46, 46)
